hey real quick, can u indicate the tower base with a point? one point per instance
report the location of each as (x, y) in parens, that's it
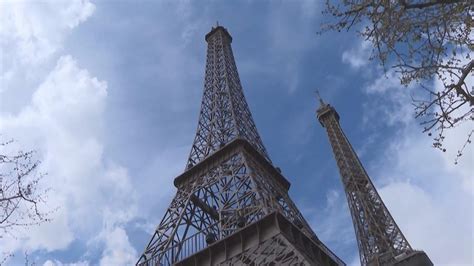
(273, 240)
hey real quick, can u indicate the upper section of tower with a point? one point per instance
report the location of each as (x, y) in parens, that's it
(325, 110)
(225, 115)
(218, 30)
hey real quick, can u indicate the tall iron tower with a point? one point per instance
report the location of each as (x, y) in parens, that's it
(380, 240)
(232, 205)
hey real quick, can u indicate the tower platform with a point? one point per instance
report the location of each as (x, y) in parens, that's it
(273, 240)
(407, 258)
(415, 258)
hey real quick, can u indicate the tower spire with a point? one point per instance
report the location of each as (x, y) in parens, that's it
(321, 102)
(380, 240)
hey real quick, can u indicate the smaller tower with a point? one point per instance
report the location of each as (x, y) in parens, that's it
(380, 240)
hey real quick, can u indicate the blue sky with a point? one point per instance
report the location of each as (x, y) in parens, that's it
(108, 92)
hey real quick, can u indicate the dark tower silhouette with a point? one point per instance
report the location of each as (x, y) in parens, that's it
(380, 240)
(232, 205)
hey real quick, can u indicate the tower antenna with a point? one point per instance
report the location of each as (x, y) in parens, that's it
(319, 97)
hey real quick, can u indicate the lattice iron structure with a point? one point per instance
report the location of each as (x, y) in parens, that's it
(224, 112)
(229, 182)
(380, 240)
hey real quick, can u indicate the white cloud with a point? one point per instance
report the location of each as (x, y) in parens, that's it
(357, 56)
(64, 123)
(384, 83)
(59, 263)
(336, 228)
(430, 198)
(390, 102)
(118, 250)
(63, 119)
(428, 195)
(33, 31)
(429, 202)
(424, 217)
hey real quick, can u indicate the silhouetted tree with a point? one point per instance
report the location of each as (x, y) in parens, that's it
(20, 193)
(423, 41)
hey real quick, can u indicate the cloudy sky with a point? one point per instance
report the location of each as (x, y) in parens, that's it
(108, 93)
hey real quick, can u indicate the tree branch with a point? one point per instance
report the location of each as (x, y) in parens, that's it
(427, 4)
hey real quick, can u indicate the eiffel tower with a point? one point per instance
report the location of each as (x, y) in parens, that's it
(380, 240)
(232, 205)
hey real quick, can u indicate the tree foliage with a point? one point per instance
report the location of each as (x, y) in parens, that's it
(423, 41)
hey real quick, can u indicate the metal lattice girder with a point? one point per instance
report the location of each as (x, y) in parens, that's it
(224, 112)
(272, 240)
(236, 185)
(379, 238)
(229, 181)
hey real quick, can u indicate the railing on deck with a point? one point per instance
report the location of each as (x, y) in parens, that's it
(179, 251)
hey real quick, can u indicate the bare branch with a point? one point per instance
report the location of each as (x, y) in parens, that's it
(20, 195)
(427, 4)
(423, 41)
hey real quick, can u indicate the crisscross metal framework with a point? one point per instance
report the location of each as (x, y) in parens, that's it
(378, 236)
(224, 112)
(232, 188)
(229, 181)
